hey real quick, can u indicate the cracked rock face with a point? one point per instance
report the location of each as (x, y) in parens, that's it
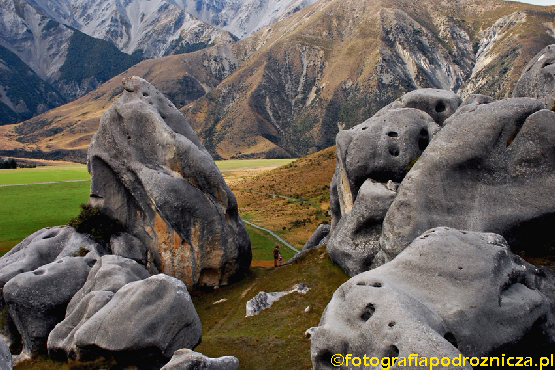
(150, 171)
(491, 169)
(449, 292)
(538, 78)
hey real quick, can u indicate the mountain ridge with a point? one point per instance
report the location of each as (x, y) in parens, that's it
(286, 90)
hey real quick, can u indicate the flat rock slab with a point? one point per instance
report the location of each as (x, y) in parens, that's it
(449, 293)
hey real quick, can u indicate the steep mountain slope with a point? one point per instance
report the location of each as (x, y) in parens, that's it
(242, 17)
(153, 28)
(65, 132)
(22, 93)
(52, 50)
(338, 62)
(330, 65)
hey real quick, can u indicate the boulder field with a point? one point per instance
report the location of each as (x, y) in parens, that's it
(70, 296)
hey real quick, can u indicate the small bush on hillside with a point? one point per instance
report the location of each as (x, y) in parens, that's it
(92, 221)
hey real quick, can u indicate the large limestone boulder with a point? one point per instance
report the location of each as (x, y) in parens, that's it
(377, 153)
(150, 171)
(5, 356)
(142, 324)
(491, 169)
(538, 78)
(44, 247)
(37, 300)
(439, 104)
(449, 293)
(355, 241)
(106, 277)
(185, 359)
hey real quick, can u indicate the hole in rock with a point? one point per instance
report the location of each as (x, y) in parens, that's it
(451, 339)
(391, 351)
(368, 312)
(392, 134)
(38, 272)
(423, 139)
(391, 324)
(394, 151)
(460, 268)
(440, 107)
(546, 64)
(361, 283)
(377, 285)
(364, 128)
(145, 93)
(128, 137)
(49, 235)
(324, 357)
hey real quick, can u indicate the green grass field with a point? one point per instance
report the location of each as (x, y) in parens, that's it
(32, 206)
(26, 209)
(44, 174)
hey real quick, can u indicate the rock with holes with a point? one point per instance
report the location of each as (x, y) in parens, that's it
(185, 359)
(490, 169)
(538, 78)
(43, 247)
(439, 104)
(142, 324)
(150, 171)
(37, 300)
(382, 149)
(449, 293)
(354, 242)
(106, 277)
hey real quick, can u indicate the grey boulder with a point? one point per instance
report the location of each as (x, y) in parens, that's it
(143, 324)
(110, 273)
(126, 245)
(538, 78)
(355, 241)
(43, 247)
(106, 277)
(491, 169)
(439, 104)
(150, 171)
(185, 359)
(37, 300)
(449, 293)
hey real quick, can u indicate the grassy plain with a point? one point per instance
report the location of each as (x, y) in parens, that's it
(34, 205)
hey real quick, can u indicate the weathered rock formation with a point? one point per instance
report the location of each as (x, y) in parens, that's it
(37, 300)
(372, 158)
(43, 247)
(538, 78)
(491, 169)
(449, 292)
(142, 323)
(5, 356)
(265, 300)
(150, 171)
(185, 359)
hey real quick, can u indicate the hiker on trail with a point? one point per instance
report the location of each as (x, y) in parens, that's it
(276, 255)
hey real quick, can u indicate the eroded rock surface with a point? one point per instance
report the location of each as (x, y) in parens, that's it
(538, 78)
(43, 247)
(449, 292)
(143, 323)
(490, 169)
(37, 300)
(185, 359)
(377, 153)
(150, 171)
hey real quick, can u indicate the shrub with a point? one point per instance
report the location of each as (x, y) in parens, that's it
(92, 221)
